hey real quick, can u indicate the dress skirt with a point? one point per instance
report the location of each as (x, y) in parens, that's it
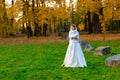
(74, 56)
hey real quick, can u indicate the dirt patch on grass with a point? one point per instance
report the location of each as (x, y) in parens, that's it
(36, 40)
(101, 37)
(25, 40)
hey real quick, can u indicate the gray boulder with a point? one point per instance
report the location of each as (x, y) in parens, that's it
(86, 46)
(102, 50)
(113, 61)
(83, 43)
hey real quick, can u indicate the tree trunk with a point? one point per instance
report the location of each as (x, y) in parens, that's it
(45, 29)
(50, 27)
(29, 32)
(37, 30)
(12, 20)
(90, 27)
(5, 19)
(85, 23)
(96, 23)
(23, 29)
(42, 2)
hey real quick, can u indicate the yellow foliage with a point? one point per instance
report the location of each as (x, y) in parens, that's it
(59, 12)
(43, 15)
(111, 10)
(81, 27)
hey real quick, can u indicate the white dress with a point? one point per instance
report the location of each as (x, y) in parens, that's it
(74, 56)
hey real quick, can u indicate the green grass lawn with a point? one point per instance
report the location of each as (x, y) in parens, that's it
(43, 62)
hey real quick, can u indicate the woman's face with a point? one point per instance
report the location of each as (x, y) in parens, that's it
(72, 28)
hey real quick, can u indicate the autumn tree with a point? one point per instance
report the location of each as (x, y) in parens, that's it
(99, 13)
(90, 13)
(111, 11)
(6, 23)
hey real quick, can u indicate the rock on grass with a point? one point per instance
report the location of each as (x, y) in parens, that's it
(113, 61)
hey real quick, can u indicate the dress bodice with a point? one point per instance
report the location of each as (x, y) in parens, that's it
(73, 35)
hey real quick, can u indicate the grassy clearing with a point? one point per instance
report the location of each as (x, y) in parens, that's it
(43, 62)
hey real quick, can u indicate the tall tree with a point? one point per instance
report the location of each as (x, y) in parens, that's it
(5, 20)
(27, 17)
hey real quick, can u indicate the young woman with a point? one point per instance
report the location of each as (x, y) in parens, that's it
(74, 56)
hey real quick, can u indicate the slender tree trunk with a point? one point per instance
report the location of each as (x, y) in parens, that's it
(29, 31)
(23, 29)
(85, 23)
(42, 2)
(45, 29)
(12, 20)
(50, 27)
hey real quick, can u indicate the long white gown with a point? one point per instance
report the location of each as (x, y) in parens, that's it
(74, 56)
